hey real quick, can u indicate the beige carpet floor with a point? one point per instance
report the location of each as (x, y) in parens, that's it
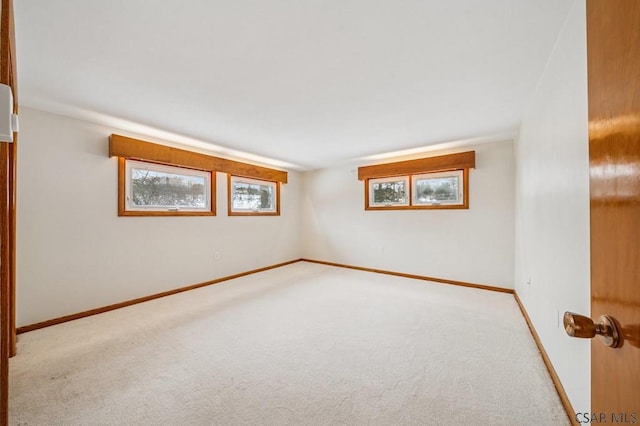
(304, 344)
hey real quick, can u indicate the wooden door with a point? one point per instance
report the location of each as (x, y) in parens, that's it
(7, 212)
(613, 56)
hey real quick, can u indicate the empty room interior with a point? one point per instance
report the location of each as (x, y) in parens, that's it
(309, 212)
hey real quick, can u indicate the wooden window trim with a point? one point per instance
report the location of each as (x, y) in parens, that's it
(463, 206)
(122, 211)
(368, 206)
(441, 163)
(125, 147)
(461, 175)
(230, 212)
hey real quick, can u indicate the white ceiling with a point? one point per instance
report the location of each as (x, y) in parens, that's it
(308, 82)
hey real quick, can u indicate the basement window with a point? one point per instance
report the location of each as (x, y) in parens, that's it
(441, 190)
(253, 197)
(150, 189)
(389, 192)
(438, 189)
(440, 182)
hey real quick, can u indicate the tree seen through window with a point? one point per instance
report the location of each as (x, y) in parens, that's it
(252, 196)
(155, 188)
(389, 192)
(437, 189)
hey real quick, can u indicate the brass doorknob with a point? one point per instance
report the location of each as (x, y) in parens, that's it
(583, 327)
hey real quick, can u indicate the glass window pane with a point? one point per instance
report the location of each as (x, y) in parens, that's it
(251, 195)
(151, 188)
(388, 192)
(438, 188)
(157, 187)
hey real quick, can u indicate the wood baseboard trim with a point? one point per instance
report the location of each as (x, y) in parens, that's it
(71, 317)
(66, 318)
(416, 277)
(547, 362)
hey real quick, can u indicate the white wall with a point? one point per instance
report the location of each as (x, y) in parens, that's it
(474, 245)
(75, 253)
(552, 208)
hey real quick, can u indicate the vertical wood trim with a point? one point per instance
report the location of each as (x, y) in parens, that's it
(213, 183)
(5, 305)
(366, 194)
(228, 194)
(12, 244)
(278, 200)
(121, 183)
(465, 183)
(13, 168)
(7, 213)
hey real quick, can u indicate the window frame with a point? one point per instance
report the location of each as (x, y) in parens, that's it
(462, 161)
(246, 212)
(464, 183)
(435, 175)
(124, 182)
(372, 181)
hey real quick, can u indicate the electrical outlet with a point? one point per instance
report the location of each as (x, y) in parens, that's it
(217, 255)
(529, 282)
